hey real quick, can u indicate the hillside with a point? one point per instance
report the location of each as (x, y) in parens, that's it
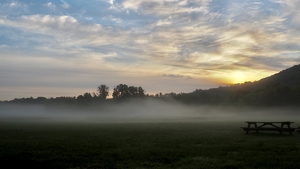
(288, 77)
(280, 89)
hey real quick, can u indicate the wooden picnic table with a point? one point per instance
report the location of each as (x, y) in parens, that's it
(284, 126)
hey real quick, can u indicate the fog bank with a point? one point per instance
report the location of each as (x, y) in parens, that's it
(146, 110)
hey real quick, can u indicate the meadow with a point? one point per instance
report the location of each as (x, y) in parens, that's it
(184, 144)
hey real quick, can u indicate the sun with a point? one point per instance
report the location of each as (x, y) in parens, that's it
(234, 76)
(238, 77)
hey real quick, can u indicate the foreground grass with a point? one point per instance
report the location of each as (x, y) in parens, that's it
(184, 145)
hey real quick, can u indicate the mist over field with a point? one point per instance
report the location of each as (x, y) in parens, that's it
(142, 111)
(144, 134)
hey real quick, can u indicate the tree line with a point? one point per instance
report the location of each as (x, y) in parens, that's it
(245, 94)
(120, 93)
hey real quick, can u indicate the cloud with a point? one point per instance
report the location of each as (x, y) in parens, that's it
(178, 39)
(58, 26)
(176, 76)
(163, 22)
(65, 4)
(13, 8)
(112, 18)
(111, 2)
(40, 23)
(50, 5)
(165, 8)
(14, 5)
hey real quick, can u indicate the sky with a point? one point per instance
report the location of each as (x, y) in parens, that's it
(66, 48)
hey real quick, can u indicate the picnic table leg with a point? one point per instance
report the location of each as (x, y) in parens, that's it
(256, 127)
(248, 128)
(288, 126)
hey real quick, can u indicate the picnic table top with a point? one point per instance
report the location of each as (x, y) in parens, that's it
(268, 122)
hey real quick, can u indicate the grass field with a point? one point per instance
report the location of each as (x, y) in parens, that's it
(137, 145)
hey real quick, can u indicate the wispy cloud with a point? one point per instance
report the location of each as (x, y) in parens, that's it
(176, 76)
(65, 4)
(13, 8)
(50, 5)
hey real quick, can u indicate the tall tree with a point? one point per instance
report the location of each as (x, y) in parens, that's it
(124, 91)
(103, 91)
(141, 91)
(121, 91)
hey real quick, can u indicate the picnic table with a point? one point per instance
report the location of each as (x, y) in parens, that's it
(284, 126)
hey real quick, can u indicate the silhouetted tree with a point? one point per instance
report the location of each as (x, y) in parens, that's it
(103, 91)
(120, 91)
(79, 98)
(141, 92)
(41, 100)
(60, 100)
(86, 98)
(124, 91)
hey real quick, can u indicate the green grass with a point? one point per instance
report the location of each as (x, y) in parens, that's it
(184, 145)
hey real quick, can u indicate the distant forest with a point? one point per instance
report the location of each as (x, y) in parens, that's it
(281, 89)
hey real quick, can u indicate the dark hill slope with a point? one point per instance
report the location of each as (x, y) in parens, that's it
(282, 88)
(288, 77)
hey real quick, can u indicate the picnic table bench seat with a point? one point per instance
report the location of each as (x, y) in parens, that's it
(270, 129)
(269, 126)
